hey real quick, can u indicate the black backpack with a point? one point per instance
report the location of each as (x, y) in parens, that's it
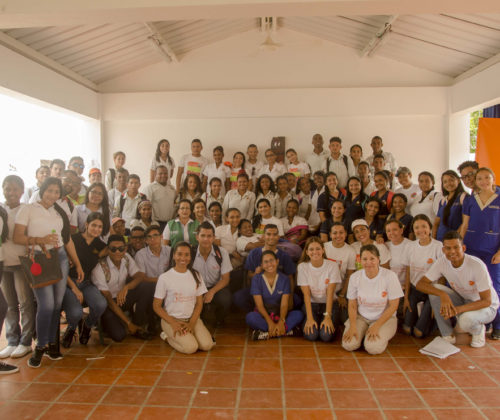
(218, 255)
(344, 158)
(122, 201)
(5, 228)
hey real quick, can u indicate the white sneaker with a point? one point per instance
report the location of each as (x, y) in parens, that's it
(449, 338)
(7, 351)
(163, 336)
(479, 340)
(21, 351)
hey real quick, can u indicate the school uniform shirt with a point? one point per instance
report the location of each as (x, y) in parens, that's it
(326, 226)
(129, 208)
(227, 239)
(370, 188)
(82, 213)
(162, 199)
(338, 166)
(270, 221)
(345, 257)
(153, 265)
(420, 258)
(28, 193)
(179, 292)
(300, 169)
(483, 232)
(398, 258)
(233, 177)
(376, 227)
(12, 251)
(169, 165)
(208, 198)
(467, 280)
(41, 222)
(212, 171)
(139, 223)
(281, 203)
(297, 221)
(390, 162)
(314, 219)
(316, 161)
(192, 165)
(277, 170)
(88, 254)
(454, 218)
(285, 263)
(373, 295)
(304, 203)
(113, 197)
(385, 254)
(406, 220)
(385, 202)
(428, 206)
(411, 193)
(325, 201)
(318, 278)
(243, 241)
(244, 203)
(355, 208)
(118, 277)
(271, 295)
(270, 196)
(210, 269)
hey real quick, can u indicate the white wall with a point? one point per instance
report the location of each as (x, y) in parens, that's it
(412, 122)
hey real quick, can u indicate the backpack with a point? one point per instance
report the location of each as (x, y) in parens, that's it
(344, 158)
(5, 228)
(218, 255)
(105, 267)
(122, 201)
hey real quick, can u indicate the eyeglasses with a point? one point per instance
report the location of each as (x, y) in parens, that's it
(469, 175)
(153, 235)
(77, 165)
(117, 249)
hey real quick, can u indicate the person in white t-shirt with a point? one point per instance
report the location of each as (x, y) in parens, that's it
(397, 245)
(192, 163)
(247, 239)
(317, 277)
(373, 294)
(470, 298)
(361, 233)
(407, 188)
(419, 257)
(264, 218)
(295, 227)
(427, 200)
(162, 158)
(178, 301)
(299, 169)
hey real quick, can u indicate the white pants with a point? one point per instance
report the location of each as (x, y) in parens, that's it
(377, 346)
(189, 343)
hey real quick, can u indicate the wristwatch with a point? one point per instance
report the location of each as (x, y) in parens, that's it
(326, 313)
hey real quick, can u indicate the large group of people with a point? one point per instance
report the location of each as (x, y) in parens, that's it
(305, 247)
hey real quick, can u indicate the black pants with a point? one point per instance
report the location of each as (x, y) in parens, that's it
(218, 309)
(139, 302)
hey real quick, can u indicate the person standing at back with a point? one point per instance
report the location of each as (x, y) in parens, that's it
(191, 163)
(339, 163)
(317, 157)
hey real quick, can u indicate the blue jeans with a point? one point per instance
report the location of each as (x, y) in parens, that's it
(21, 307)
(257, 322)
(470, 321)
(93, 298)
(318, 309)
(424, 322)
(49, 301)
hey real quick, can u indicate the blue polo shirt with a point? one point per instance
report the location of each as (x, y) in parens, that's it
(271, 296)
(285, 263)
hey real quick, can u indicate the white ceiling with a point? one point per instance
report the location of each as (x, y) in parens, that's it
(449, 44)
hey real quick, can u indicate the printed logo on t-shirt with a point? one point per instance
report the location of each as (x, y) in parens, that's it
(430, 261)
(193, 168)
(327, 281)
(384, 294)
(179, 297)
(295, 171)
(413, 195)
(471, 283)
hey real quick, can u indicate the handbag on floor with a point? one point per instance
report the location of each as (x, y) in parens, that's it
(41, 269)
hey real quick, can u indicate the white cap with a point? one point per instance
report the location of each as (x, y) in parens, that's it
(359, 222)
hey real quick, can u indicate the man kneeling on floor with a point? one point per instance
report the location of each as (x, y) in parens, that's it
(110, 277)
(471, 298)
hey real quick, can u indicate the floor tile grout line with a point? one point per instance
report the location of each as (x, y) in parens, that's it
(155, 385)
(116, 379)
(325, 384)
(429, 408)
(372, 392)
(456, 386)
(54, 366)
(282, 374)
(497, 382)
(197, 385)
(242, 373)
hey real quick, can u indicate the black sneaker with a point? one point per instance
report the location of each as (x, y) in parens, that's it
(68, 336)
(259, 335)
(84, 334)
(53, 352)
(495, 335)
(36, 358)
(5, 369)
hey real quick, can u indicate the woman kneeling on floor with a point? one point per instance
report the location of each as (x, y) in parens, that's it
(373, 294)
(180, 290)
(271, 292)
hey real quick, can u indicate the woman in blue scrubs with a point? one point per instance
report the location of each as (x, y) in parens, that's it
(481, 229)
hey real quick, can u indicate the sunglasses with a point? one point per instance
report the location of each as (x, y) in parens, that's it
(117, 249)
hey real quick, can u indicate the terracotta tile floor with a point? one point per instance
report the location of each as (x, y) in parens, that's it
(241, 379)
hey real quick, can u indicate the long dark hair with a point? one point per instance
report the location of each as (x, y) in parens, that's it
(104, 205)
(158, 153)
(65, 232)
(258, 188)
(258, 218)
(184, 188)
(195, 273)
(431, 176)
(361, 199)
(451, 197)
(244, 159)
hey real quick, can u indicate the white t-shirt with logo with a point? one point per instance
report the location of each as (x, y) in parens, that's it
(192, 165)
(299, 170)
(179, 292)
(411, 193)
(420, 258)
(398, 258)
(385, 255)
(467, 280)
(373, 295)
(318, 278)
(345, 257)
